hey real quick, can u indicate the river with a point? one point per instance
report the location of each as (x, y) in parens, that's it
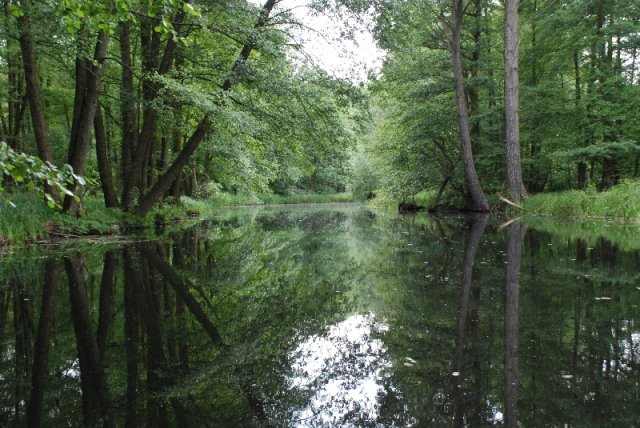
(323, 316)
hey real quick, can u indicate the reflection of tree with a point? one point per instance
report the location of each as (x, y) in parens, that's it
(132, 337)
(477, 224)
(514, 254)
(268, 284)
(42, 342)
(96, 401)
(107, 290)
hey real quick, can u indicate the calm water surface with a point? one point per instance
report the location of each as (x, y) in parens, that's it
(323, 316)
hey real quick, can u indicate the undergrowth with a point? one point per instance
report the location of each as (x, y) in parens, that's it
(620, 203)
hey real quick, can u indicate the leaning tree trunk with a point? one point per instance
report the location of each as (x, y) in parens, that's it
(511, 102)
(127, 105)
(136, 177)
(86, 102)
(203, 128)
(34, 93)
(475, 199)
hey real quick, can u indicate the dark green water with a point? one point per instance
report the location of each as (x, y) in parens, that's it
(323, 316)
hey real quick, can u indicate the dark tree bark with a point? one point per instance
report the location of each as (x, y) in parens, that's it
(136, 176)
(127, 105)
(104, 164)
(472, 90)
(88, 80)
(16, 100)
(34, 92)
(475, 199)
(204, 126)
(514, 256)
(42, 342)
(581, 167)
(511, 102)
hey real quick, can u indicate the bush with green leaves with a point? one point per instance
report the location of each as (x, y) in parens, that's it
(30, 172)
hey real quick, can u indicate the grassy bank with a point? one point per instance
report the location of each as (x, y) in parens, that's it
(32, 221)
(620, 203)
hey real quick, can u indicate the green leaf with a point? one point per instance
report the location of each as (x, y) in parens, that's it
(15, 11)
(190, 9)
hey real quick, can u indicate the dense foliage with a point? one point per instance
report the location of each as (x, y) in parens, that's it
(579, 95)
(161, 99)
(155, 100)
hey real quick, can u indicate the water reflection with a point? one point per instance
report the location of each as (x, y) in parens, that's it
(515, 240)
(343, 370)
(323, 317)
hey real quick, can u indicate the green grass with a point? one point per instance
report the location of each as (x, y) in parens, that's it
(620, 203)
(30, 220)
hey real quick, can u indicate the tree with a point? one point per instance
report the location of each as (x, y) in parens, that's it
(34, 93)
(475, 201)
(511, 102)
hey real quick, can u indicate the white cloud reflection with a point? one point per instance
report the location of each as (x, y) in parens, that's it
(343, 372)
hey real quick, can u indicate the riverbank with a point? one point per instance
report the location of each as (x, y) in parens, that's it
(620, 203)
(31, 221)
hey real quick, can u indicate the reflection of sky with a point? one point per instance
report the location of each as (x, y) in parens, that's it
(343, 372)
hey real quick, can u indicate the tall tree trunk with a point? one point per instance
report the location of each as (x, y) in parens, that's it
(104, 164)
(475, 199)
(136, 175)
(582, 166)
(85, 111)
(127, 106)
(511, 102)
(472, 90)
(536, 180)
(15, 107)
(34, 92)
(204, 126)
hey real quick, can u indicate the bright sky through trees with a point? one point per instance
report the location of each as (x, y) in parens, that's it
(342, 45)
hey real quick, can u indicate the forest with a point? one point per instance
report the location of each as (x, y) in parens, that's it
(168, 258)
(138, 104)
